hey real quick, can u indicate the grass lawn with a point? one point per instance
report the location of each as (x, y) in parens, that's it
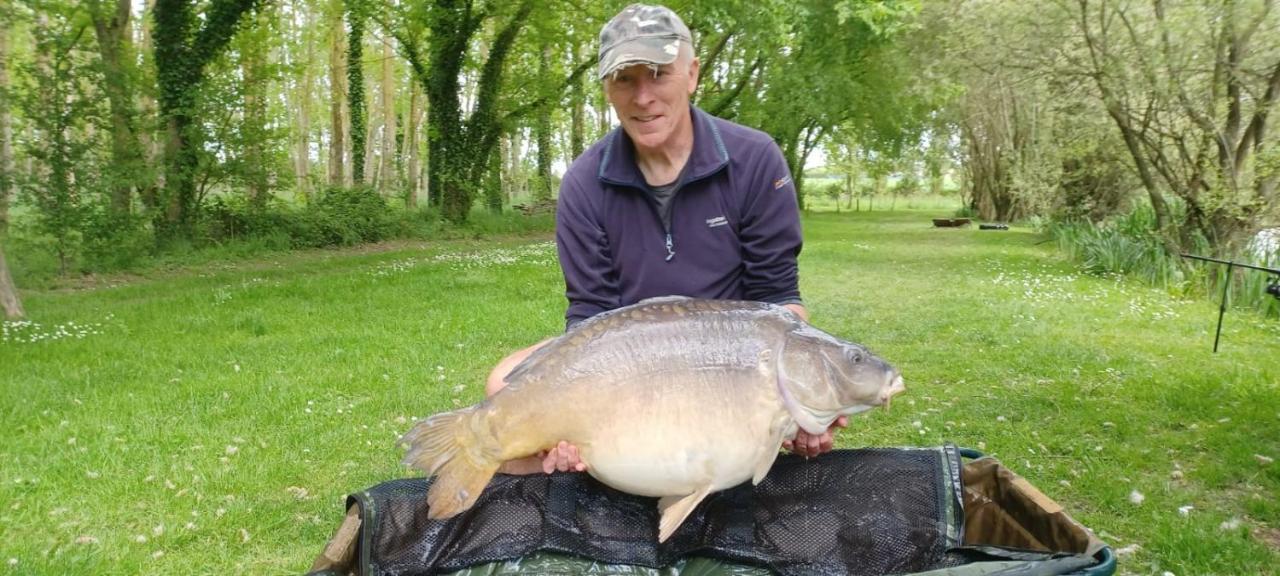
(212, 420)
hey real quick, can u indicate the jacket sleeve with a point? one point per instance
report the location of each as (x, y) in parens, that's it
(770, 231)
(591, 286)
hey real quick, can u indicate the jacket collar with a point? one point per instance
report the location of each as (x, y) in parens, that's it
(618, 162)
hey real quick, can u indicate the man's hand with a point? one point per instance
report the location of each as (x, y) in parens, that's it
(799, 310)
(809, 445)
(564, 458)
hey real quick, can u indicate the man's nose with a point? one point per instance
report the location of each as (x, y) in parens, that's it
(643, 94)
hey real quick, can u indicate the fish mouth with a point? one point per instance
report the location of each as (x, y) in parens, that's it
(896, 387)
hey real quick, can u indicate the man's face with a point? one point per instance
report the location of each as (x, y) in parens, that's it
(650, 105)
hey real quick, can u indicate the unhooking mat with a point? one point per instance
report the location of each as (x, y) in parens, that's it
(898, 513)
(857, 512)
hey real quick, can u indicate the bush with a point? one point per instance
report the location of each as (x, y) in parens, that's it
(337, 217)
(115, 242)
(346, 216)
(1127, 245)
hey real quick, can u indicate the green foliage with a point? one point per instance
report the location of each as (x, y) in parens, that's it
(114, 241)
(352, 215)
(1124, 245)
(183, 50)
(1094, 184)
(336, 217)
(908, 185)
(62, 113)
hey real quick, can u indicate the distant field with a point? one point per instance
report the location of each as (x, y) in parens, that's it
(941, 206)
(211, 419)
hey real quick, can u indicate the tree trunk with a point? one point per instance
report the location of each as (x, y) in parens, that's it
(603, 108)
(542, 125)
(411, 143)
(504, 152)
(795, 165)
(337, 101)
(114, 33)
(8, 292)
(493, 197)
(519, 175)
(387, 170)
(254, 120)
(147, 126)
(6, 132)
(370, 136)
(424, 172)
(302, 137)
(181, 161)
(576, 136)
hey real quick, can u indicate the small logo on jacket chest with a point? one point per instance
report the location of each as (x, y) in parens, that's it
(717, 221)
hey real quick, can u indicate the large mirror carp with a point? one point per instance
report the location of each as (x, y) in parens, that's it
(673, 398)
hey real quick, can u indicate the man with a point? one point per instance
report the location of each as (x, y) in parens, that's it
(675, 202)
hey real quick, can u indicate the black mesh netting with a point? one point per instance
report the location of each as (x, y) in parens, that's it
(869, 511)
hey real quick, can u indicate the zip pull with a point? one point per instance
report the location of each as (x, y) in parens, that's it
(670, 252)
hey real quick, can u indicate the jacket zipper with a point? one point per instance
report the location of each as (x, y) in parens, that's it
(666, 228)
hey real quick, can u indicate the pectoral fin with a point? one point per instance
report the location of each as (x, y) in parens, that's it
(675, 509)
(777, 433)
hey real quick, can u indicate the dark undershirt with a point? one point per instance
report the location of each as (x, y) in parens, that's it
(663, 194)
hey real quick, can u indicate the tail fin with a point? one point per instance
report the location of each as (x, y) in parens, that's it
(448, 446)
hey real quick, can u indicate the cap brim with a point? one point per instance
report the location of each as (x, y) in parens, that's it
(656, 50)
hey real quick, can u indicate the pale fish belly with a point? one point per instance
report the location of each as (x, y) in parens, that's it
(678, 467)
(709, 428)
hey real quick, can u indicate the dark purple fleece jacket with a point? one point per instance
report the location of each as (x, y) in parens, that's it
(734, 230)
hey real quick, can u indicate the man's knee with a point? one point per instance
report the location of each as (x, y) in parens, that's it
(497, 376)
(497, 379)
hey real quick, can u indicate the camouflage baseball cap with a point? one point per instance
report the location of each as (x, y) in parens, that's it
(641, 34)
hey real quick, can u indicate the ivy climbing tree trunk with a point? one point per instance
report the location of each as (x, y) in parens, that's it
(542, 125)
(183, 50)
(355, 87)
